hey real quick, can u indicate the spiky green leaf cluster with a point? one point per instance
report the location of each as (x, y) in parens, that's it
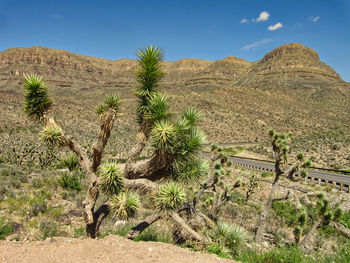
(111, 178)
(170, 196)
(232, 236)
(52, 135)
(157, 108)
(192, 171)
(110, 102)
(148, 76)
(178, 143)
(124, 205)
(37, 101)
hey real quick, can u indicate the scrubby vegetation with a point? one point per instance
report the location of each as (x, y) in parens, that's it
(57, 187)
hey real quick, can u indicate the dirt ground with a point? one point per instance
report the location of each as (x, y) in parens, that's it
(109, 249)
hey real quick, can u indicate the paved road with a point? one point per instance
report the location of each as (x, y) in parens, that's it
(339, 181)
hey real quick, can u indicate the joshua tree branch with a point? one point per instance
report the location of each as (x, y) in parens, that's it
(137, 230)
(142, 185)
(135, 152)
(178, 221)
(106, 125)
(313, 229)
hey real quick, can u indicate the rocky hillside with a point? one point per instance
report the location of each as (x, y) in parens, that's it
(288, 89)
(291, 65)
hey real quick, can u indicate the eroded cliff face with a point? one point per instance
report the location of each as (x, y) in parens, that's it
(291, 65)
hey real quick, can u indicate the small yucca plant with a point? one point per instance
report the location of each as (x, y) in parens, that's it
(192, 171)
(70, 161)
(37, 100)
(232, 236)
(52, 135)
(111, 178)
(170, 196)
(124, 205)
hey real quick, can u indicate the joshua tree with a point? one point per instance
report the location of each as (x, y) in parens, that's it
(149, 109)
(175, 145)
(281, 148)
(325, 214)
(215, 187)
(108, 178)
(251, 187)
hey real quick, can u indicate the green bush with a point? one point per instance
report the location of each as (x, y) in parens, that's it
(5, 229)
(70, 181)
(345, 219)
(285, 210)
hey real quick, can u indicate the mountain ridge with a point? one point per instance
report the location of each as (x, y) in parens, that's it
(290, 64)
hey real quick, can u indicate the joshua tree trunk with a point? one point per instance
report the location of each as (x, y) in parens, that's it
(92, 219)
(92, 230)
(307, 237)
(135, 152)
(261, 224)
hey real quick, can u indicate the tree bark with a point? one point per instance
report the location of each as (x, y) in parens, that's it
(135, 152)
(142, 185)
(261, 224)
(178, 221)
(307, 237)
(106, 125)
(92, 230)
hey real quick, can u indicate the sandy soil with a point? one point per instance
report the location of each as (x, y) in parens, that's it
(109, 249)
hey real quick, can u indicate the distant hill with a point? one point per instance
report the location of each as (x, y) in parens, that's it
(288, 89)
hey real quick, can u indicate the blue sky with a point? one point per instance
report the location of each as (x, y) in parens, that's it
(184, 29)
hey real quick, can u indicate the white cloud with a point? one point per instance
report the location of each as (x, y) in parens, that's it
(256, 44)
(244, 21)
(264, 16)
(275, 26)
(315, 19)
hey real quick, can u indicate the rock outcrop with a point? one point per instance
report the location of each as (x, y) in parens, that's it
(291, 65)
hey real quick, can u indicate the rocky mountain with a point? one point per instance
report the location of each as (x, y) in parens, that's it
(289, 65)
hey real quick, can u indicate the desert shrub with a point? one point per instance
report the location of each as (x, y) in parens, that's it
(345, 219)
(37, 183)
(5, 229)
(47, 229)
(233, 237)
(69, 161)
(218, 249)
(285, 210)
(70, 181)
(155, 234)
(266, 174)
(37, 205)
(275, 255)
(47, 157)
(79, 232)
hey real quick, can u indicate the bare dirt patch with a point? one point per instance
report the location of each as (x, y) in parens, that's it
(109, 249)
